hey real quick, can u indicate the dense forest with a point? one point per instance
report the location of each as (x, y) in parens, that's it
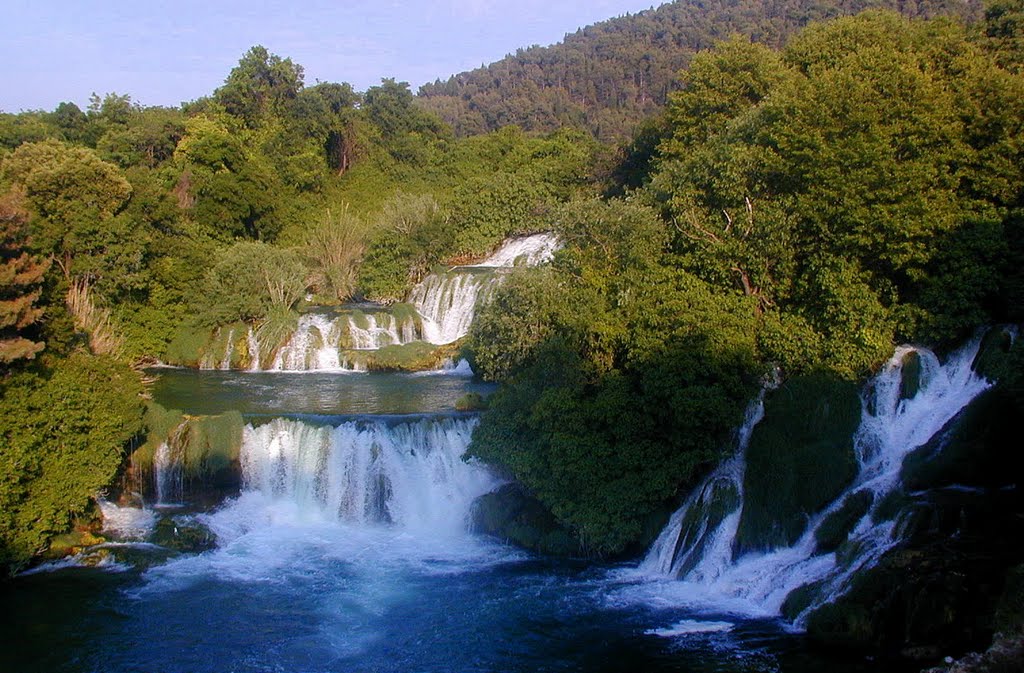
(608, 77)
(795, 203)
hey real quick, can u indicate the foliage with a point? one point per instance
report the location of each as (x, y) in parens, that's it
(62, 436)
(857, 187)
(624, 375)
(609, 76)
(333, 249)
(249, 281)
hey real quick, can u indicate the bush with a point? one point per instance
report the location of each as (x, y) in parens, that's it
(63, 433)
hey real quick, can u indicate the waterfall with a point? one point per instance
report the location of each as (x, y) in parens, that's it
(700, 533)
(372, 331)
(696, 546)
(529, 250)
(440, 311)
(254, 350)
(448, 302)
(229, 350)
(168, 471)
(410, 474)
(313, 346)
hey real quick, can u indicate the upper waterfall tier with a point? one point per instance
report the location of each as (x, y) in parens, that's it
(439, 310)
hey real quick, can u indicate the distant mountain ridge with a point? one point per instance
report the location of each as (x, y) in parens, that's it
(608, 76)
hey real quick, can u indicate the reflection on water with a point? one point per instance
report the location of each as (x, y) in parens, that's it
(288, 393)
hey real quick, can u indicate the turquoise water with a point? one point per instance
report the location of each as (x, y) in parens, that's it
(274, 393)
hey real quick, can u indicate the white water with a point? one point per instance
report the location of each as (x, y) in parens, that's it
(448, 302)
(313, 346)
(382, 329)
(410, 474)
(368, 494)
(692, 562)
(528, 250)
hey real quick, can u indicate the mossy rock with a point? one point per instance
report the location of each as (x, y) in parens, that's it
(800, 459)
(184, 535)
(800, 599)
(417, 356)
(1009, 617)
(513, 515)
(978, 447)
(72, 543)
(993, 358)
(208, 448)
(471, 402)
(836, 527)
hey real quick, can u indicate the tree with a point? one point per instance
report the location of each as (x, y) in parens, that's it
(75, 196)
(1004, 28)
(21, 274)
(260, 84)
(334, 248)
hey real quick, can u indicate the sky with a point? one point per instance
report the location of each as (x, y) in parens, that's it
(165, 52)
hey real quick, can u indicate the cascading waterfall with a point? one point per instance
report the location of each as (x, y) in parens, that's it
(373, 331)
(448, 303)
(314, 345)
(696, 546)
(229, 351)
(442, 309)
(168, 471)
(410, 473)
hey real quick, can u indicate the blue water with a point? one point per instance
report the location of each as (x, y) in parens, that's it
(293, 588)
(290, 591)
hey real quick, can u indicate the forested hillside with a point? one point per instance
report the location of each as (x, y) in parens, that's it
(607, 77)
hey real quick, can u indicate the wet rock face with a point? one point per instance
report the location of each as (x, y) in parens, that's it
(800, 458)
(513, 515)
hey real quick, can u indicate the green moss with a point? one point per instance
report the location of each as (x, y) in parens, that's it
(208, 446)
(976, 448)
(360, 320)
(513, 515)
(184, 535)
(992, 358)
(471, 402)
(800, 599)
(834, 530)
(411, 357)
(800, 458)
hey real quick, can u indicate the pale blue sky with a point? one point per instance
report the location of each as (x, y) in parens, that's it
(164, 52)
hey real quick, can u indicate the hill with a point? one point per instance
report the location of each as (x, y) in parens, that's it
(609, 76)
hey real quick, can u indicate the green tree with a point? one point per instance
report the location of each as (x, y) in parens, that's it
(262, 83)
(63, 434)
(250, 281)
